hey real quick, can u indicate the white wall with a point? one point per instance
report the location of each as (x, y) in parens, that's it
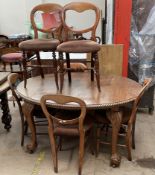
(14, 14)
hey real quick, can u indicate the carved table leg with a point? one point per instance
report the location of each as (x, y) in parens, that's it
(27, 110)
(115, 117)
(6, 117)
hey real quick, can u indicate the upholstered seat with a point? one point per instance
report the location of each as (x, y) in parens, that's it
(12, 58)
(43, 44)
(79, 46)
(71, 130)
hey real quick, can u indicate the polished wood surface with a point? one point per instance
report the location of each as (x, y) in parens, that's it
(115, 90)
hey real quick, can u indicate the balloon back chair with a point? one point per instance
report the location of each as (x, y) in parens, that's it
(80, 44)
(66, 125)
(51, 24)
(127, 129)
(40, 120)
(13, 80)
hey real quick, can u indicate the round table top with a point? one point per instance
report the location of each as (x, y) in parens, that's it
(115, 90)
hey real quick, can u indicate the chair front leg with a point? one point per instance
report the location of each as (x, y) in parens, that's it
(68, 66)
(39, 63)
(24, 69)
(92, 67)
(81, 152)
(129, 142)
(53, 149)
(133, 134)
(61, 70)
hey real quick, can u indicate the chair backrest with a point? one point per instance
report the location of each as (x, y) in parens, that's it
(80, 7)
(145, 85)
(63, 100)
(13, 80)
(51, 19)
(3, 38)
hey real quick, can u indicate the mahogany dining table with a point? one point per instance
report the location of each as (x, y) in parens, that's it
(115, 91)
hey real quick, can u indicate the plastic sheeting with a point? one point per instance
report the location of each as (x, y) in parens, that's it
(142, 45)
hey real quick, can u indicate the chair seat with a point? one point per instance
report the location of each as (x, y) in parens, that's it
(72, 130)
(39, 44)
(12, 57)
(79, 46)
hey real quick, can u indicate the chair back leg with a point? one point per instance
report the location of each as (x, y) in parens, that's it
(68, 66)
(39, 63)
(61, 64)
(96, 69)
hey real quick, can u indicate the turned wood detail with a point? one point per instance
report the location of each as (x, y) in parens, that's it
(6, 117)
